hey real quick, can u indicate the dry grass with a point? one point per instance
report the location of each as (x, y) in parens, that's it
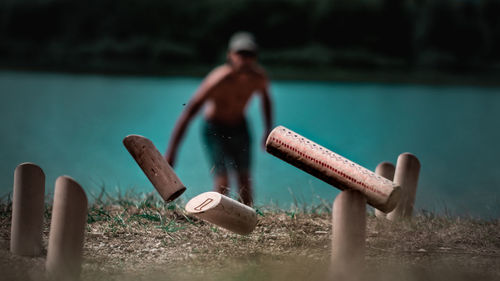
(140, 238)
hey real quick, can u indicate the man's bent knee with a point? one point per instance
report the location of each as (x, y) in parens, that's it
(221, 184)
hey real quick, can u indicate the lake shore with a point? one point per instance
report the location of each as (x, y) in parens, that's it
(144, 239)
(390, 75)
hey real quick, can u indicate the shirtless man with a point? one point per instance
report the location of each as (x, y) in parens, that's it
(225, 92)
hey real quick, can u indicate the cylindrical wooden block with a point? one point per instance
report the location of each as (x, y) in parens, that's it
(223, 211)
(27, 210)
(386, 170)
(67, 227)
(154, 165)
(406, 175)
(332, 168)
(349, 232)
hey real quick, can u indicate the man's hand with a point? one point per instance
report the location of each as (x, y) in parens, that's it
(170, 157)
(264, 139)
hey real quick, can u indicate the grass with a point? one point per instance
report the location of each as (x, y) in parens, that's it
(138, 237)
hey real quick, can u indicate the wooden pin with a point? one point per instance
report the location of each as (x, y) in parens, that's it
(332, 168)
(406, 174)
(27, 210)
(386, 170)
(349, 233)
(154, 165)
(67, 227)
(223, 211)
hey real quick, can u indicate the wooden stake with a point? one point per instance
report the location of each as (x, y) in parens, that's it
(332, 168)
(406, 174)
(349, 233)
(27, 210)
(154, 165)
(223, 211)
(386, 170)
(69, 215)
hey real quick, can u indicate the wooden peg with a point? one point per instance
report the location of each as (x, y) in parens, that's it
(406, 175)
(154, 165)
(332, 168)
(27, 210)
(386, 170)
(349, 233)
(223, 211)
(67, 227)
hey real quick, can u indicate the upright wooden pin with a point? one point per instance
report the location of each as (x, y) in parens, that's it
(67, 227)
(154, 165)
(27, 210)
(223, 211)
(386, 170)
(349, 233)
(406, 174)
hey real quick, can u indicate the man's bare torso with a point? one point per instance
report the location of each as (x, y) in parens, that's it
(231, 92)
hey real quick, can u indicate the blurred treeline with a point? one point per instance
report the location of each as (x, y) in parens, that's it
(150, 35)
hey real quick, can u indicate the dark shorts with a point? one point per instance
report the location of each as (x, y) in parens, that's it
(228, 147)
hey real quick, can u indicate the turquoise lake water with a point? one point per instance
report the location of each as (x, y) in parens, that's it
(74, 125)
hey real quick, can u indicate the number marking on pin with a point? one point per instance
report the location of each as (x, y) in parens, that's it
(204, 204)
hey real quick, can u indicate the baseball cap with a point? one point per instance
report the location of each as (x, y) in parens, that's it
(243, 41)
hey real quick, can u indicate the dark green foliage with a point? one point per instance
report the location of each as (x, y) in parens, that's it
(156, 34)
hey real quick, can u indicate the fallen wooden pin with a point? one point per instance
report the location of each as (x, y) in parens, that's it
(223, 211)
(67, 228)
(27, 210)
(154, 165)
(332, 168)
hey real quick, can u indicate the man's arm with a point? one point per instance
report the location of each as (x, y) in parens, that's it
(194, 105)
(267, 111)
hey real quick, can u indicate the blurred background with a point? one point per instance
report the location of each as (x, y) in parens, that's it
(417, 37)
(368, 79)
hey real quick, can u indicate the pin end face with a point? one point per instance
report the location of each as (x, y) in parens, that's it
(175, 195)
(66, 183)
(131, 138)
(392, 201)
(409, 157)
(28, 164)
(31, 168)
(386, 165)
(203, 202)
(275, 131)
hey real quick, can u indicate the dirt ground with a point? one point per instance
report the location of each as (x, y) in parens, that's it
(127, 240)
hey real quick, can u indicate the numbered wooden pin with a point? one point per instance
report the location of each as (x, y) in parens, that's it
(386, 170)
(67, 227)
(27, 210)
(332, 168)
(154, 165)
(406, 174)
(223, 211)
